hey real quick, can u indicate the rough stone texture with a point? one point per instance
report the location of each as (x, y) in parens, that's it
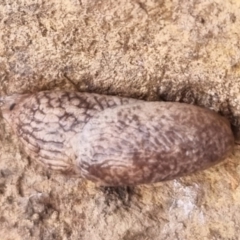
(156, 50)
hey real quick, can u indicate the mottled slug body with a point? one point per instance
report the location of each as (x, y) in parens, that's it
(117, 141)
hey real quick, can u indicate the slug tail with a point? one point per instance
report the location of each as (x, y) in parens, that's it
(8, 104)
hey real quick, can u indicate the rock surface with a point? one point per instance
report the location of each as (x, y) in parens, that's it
(185, 51)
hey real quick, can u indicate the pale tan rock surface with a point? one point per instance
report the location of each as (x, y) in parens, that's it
(170, 50)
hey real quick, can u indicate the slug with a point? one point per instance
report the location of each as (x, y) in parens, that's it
(117, 141)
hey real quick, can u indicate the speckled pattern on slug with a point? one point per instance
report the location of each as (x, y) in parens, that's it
(151, 141)
(118, 141)
(47, 122)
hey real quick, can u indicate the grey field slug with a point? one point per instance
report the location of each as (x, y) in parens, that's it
(117, 141)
